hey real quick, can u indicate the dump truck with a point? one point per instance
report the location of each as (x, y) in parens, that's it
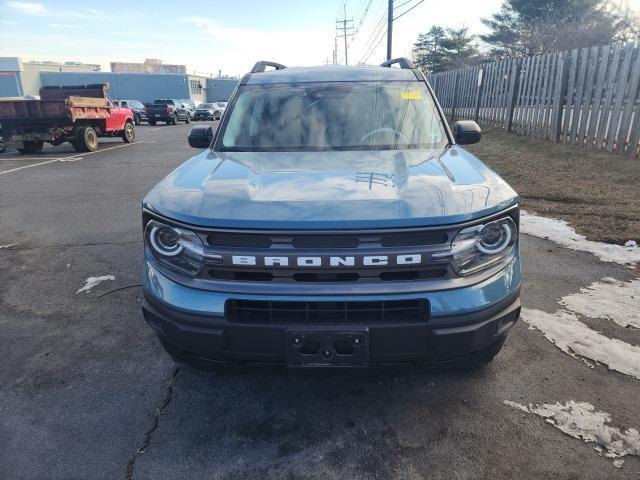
(77, 114)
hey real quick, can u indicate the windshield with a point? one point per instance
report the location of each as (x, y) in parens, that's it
(333, 116)
(205, 105)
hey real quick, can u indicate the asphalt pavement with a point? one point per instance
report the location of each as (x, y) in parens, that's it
(87, 392)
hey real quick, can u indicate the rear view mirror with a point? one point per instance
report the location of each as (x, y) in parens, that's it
(200, 137)
(466, 132)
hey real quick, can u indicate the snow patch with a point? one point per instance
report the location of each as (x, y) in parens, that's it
(573, 337)
(91, 282)
(609, 299)
(8, 246)
(561, 233)
(582, 420)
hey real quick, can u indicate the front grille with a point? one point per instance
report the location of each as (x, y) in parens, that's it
(280, 312)
(255, 246)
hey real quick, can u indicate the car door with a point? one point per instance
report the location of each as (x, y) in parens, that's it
(182, 112)
(117, 118)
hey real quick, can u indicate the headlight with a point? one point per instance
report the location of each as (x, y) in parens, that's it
(176, 247)
(481, 246)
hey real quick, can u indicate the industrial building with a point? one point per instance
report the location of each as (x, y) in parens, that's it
(150, 65)
(19, 78)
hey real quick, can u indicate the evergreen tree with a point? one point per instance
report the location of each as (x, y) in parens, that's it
(428, 53)
(530, 27)
(443, 49)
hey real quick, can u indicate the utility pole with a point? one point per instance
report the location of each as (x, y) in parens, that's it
(335, 51)
(389, 29)
(347, 31)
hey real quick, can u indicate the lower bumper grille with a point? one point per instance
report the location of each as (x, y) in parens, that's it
(280, 312)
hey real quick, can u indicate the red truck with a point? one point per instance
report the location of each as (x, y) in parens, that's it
(74, 114)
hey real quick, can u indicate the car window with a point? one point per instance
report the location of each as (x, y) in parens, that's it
(333, 116)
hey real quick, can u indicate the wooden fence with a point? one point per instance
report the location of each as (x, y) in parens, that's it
(586, 96)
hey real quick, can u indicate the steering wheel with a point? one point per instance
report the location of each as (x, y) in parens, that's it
(397, 133)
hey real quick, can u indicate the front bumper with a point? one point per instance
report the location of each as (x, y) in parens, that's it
(192, 325)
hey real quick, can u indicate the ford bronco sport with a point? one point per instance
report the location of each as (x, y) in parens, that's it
(333, 220)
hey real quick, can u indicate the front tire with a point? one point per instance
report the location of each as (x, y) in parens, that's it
(32, 146)
(129, 133)
(136, 120)
(188, 119)
(87, 140)
(152, 123)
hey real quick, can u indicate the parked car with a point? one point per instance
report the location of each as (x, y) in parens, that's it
(190, 102)
(222, 106)
(190, 108)
(74, 114)
(332, 220)
(167, 110)
(2, 145)
(137, 107)
(207, 111)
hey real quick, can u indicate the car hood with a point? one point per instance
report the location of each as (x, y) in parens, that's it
(346, 189)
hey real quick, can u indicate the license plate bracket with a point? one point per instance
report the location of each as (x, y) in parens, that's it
(327, 348)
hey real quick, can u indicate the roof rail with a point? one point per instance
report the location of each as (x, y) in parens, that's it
(263, 64)
(402, 61)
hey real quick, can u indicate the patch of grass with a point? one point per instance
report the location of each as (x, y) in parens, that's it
(597, 192)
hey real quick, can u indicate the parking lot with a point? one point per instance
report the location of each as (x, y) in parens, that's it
(88, 392)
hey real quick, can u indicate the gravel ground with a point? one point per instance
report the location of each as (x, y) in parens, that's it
(87, 391)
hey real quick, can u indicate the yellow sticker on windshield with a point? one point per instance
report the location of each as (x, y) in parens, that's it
(411, 95)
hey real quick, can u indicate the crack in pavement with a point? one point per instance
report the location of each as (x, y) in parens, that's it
(119, 289)
(146, 440)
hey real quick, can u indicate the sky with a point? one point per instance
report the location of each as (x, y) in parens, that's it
(225, 35)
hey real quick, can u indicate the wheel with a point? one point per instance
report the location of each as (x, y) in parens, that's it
(136, 119)
(152, 123)
(87, 140)
(188, 119)
(129, 133)
(174, 119)
(31, 146)
(216, 116)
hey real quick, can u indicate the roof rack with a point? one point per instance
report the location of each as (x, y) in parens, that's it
(402, 61)
(263, 64)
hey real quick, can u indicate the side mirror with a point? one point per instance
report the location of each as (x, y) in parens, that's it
(200, 137)
(466, 132)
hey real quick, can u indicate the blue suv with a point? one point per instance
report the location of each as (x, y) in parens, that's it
(333, 220)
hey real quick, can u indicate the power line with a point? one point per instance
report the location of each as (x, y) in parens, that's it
(376, 46)
(373, 37)
(392, 17)
(369, 30)
(408, 10)
(364, 16)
